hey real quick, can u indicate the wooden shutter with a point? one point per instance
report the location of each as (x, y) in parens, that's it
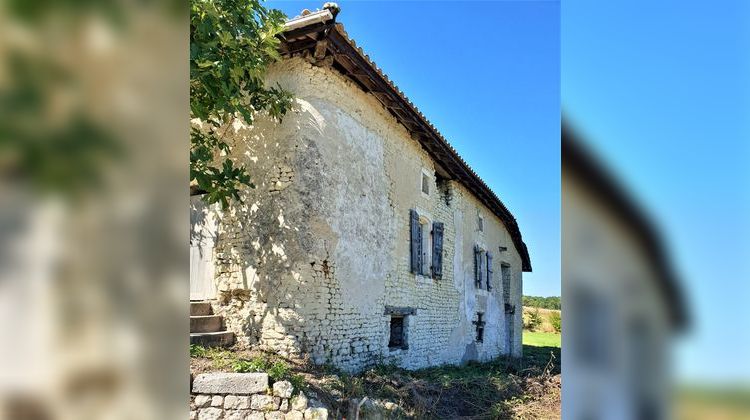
(437, 250)
(416, 238)
(477, 266)
(489, 271)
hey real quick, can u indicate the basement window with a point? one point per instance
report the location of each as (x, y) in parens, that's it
(479, 323)
(397, 338)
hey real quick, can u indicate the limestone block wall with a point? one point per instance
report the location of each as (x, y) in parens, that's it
(241, 396)
(311, 257)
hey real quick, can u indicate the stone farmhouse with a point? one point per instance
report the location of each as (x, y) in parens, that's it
(622, 301)
(367, 239)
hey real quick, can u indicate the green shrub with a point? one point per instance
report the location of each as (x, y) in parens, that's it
(257, 364)
(556, 320)
(533, 321)
(278, 371)
(196, 350)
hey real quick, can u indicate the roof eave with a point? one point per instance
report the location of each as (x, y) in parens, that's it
(323, 38)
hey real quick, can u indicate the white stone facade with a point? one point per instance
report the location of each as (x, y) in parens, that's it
(310, 259)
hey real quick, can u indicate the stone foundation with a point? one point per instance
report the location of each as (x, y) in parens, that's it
(240, 396)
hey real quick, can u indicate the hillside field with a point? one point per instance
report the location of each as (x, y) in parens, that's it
(544, 335)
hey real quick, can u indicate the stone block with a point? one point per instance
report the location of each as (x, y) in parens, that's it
(263, 402)
(217, 401)
(299, 402)
(230, 383)
(274, 415)
(283, 389)
(239, 415)
(316, 413)
(255, 415)
(284, 406)
(236, 402)
(294, 415)
(202, 400)
(210, 413)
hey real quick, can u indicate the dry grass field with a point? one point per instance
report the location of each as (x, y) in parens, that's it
(546, 325)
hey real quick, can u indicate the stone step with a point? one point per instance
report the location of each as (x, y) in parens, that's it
(200, 308)
(205, 323)
(212, 339)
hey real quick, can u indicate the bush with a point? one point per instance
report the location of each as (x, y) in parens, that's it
(278, 371)
(533, 321)
(197, 350)
(556, 320)
(253, 365)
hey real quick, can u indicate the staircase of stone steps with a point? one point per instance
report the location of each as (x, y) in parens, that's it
(206, 328)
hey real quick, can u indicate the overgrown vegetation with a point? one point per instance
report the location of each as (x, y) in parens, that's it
(552, 302)
(528, 388)
(223, 359)
(533, 321)
(542, 327)
(502, 388)
(232, 42)
(556, 320)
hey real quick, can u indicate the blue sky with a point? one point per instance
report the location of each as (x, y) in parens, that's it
(487, 75)
(662, 90)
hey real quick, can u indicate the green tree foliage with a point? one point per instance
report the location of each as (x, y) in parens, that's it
(552, 302)
(533, 321)
(556, 320)
(232, 42)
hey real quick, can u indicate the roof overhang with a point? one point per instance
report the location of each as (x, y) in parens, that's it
(318, 37)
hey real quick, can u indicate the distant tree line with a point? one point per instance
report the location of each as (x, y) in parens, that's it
(551, 302)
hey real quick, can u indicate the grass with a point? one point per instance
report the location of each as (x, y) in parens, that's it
(223, 360)
(542, 339)
(544, 334)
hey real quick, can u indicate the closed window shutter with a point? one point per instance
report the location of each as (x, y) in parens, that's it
(489, 271)
(477, 266)
(416, 238)
(437, 250)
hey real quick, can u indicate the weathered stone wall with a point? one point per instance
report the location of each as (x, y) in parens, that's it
(241, 396)
(311, 258)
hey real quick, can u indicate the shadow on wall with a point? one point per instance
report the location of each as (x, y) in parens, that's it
(274, 273)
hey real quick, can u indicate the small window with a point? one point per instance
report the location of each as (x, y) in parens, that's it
(480, 223)
(479, 324)
(397, 339)
(425, 183)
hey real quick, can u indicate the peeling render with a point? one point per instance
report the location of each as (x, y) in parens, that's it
(311, 258)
